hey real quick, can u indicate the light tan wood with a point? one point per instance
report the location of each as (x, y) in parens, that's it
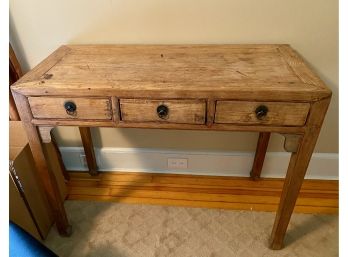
(45, 133)
(73, 122)
(300, 68)
(291, 142)
(238, 112)
(115, 109)
(179, 111)
(248, 72)
(260, 154)
(161, 125)
(230, 81)
(211, 105)
(87, 143)
(226, 127)
(86, 108)
(202, 191)
(37, 73)
(296, 171)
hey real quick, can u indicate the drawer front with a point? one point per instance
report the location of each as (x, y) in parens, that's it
(263, 113)
(170, 111)
(70, 108)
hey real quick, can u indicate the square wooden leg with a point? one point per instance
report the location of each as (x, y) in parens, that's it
(260, 154)
(48, 180)
(87, 142)
(296, 171)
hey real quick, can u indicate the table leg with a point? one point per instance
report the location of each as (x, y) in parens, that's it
(48, 180)
(89, 150)
(60, 158)
(260, 154)
(296, 171)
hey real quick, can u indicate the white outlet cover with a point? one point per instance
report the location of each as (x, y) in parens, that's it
(83, 160)
(177, 163)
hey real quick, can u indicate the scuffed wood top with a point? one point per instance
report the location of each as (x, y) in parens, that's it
(241, 72)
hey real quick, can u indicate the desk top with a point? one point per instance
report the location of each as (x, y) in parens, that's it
(243, 72)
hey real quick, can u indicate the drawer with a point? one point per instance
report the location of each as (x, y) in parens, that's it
(265, 113)
(70, 108)
(170, 111)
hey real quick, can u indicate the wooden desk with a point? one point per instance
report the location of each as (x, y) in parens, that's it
(262, 88)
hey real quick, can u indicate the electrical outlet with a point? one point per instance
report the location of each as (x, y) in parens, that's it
(83, 160)
(176, 163)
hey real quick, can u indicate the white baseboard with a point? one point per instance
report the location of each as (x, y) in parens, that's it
(322, 165)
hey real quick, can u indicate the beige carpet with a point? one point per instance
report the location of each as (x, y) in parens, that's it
(103, 229)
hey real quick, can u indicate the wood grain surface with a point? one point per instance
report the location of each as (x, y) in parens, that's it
(213, 87)
(296, 172)
(87, 108)
(260, 154)
(316, 196)
(268, 72)
(240, 112)
(179, 111)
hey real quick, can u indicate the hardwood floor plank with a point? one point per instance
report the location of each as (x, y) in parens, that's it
(316, 196)
(219, 205)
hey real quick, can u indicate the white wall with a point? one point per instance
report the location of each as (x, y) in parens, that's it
(38, 27)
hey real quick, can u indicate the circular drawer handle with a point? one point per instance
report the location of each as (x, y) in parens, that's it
(261, 112)
(162, 111)
(70, 107)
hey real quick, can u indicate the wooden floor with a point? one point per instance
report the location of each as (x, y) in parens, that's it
(316, 196)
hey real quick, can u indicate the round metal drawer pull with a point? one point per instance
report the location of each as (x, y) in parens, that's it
(162, 111)
(261, 112)
(70, 107)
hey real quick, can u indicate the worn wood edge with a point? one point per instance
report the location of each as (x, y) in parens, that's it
(303, 70)
(214, 126)
(298, 92)
(210, 112)
(188, 195)
(291, 142)
(79, 123)
(115, 107)
(74, 46)
(161, 125)
(42, 67)
(45, 133)
(30, 83)
(297, 168)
